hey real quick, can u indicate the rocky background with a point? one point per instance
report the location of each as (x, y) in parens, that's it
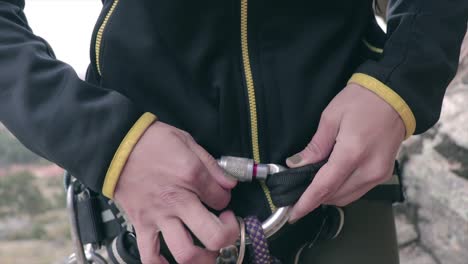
(433, 224)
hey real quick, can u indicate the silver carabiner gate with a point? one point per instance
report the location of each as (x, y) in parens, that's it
(244, 169)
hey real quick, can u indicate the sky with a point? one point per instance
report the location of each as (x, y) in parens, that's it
(67, 26)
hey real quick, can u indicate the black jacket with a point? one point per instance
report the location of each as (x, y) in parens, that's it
(245, 77)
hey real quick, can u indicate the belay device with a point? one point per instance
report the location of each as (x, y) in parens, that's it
(97, 222)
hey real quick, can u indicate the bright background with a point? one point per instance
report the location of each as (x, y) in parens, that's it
(33, 222)
(67, 26)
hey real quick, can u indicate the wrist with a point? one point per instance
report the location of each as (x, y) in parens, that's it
(390, 97)
(123, 153)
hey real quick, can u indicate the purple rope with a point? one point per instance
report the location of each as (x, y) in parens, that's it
(259, 246)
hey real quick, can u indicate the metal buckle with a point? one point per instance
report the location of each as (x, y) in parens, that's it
(81, 255)
(244, 169)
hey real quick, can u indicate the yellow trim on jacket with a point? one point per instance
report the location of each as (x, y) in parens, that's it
(390, 96)
(123, 152)
(372, 47)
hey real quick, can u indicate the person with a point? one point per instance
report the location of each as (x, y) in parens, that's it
(172, 85)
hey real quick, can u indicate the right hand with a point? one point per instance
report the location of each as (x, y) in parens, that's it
(161, 189)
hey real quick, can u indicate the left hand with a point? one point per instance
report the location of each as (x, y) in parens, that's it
(361, 135)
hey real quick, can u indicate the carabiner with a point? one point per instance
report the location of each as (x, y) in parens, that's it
(244, 169)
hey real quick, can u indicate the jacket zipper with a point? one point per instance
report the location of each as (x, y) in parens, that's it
(248, 79)
(99, 35)
(251, 96)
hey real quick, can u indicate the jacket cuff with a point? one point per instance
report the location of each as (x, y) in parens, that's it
(389, 96)
(123, 152)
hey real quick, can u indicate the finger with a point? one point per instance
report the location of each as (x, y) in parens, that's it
(199, 181)
(359, 183)
(327, 181)
(321, 144)
(212, 194)
(181, 245)
(212, 165)
(215, 233)
(351, 197)
(148, 246)
(351, 185)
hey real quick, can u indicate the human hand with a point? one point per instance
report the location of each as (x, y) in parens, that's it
(361, 134)
(162, 187)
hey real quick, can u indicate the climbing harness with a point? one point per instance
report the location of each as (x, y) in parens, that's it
(97, 222)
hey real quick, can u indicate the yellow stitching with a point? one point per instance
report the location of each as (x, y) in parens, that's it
(372, 47)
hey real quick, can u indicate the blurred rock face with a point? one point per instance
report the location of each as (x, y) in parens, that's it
(433, 224)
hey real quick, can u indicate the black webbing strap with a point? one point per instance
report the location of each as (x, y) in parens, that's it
(97, 220)
(89, 224)
(286, 187)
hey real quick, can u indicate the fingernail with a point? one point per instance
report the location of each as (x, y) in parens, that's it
(292, 221)
(293, 218)
(296, 159)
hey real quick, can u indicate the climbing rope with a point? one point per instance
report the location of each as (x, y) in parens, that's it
(260, 254)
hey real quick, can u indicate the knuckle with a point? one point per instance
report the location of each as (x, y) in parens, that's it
(211, 161)
(177, 134)
(314, 149)
(323, 192)
(222, 201)
(150, 260)
(145, 259)
(191, 171)
(186, 135)
(326, 117)
(380, 174)
(148, 256)
(302, 211)
(373, 179)
(216, 240)
(185, 255)
(172, 196)
(181, 134)
(355, 152)
(342, 203)
(141, 217)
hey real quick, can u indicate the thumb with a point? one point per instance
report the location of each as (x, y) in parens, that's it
(211, 165)
(319, 147)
